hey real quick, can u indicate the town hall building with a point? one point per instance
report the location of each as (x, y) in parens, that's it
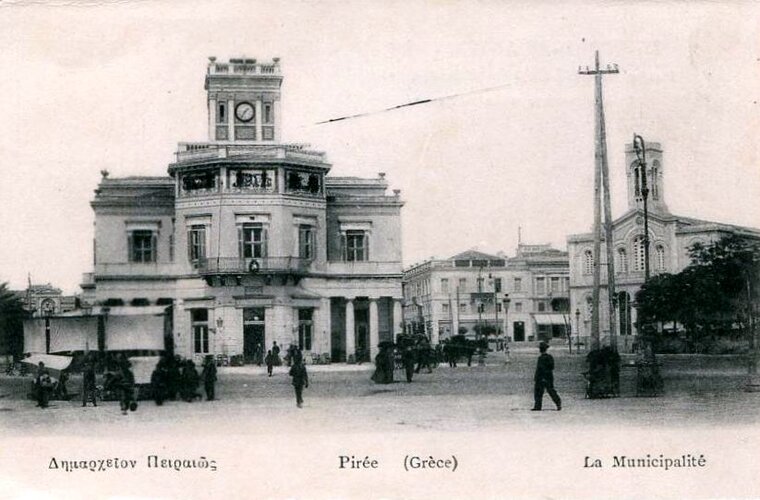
(249, 240)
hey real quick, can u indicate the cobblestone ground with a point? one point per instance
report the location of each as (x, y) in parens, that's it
(699, 391)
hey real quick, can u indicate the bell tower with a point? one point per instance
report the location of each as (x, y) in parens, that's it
(654, 168)
(243, 100)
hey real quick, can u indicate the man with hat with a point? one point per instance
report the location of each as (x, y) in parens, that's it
(544, 379)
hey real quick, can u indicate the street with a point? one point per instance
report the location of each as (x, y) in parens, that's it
(699, 390)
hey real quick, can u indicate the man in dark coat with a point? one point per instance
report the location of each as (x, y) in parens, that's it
(300, 378)
(407, 357)
(209, 377)
(544, 379)
(89, 384)
(276, 354)
(190, 381)
(127, 387)
(158, 380)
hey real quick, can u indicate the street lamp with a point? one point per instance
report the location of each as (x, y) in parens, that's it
(578, 329)
(640, 148)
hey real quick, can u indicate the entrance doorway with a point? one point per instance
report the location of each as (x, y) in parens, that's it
(254, 335)
(361, 318)
(518, 327)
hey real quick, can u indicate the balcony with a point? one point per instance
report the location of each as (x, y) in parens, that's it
(235, 266)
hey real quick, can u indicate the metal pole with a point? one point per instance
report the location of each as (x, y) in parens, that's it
(640, 146)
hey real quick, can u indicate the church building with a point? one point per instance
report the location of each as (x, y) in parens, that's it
(670, 237)
(249, 240)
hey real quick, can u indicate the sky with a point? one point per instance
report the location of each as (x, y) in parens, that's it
(88, 86)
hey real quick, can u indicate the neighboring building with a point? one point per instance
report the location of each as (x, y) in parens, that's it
(249, 239)
(526, 296)
(46, 300)
(670, 237)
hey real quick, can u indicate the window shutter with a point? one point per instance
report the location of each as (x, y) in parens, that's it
(366, 246)
(153, 247)
(130, 247)
(202, 242)
(264, 242)
(343, 249)
(241, 252)
(189, 245)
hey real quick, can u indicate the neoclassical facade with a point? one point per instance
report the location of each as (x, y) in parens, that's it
(670, 237)
(249, 240)
(525, 296)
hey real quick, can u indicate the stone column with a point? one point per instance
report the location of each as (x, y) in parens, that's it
(350, 333)
(374, 328)
(398, 319)
(212, 120)
(230, 120)
(258, 120)
(325, 327)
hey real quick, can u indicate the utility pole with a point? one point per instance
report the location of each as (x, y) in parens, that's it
(601, 182)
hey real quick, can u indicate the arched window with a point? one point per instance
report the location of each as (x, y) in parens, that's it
(636, 171)
(659, 258)
(588, 262)
(622, 261)
(655, 180)
(638, 253)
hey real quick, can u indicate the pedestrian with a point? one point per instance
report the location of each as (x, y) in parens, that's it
(300, 378)
(127, 387)
(258, 354)
(190, 380)
(89, 387)
(276, 354)
(544, 379)
(44, 388)
(37, 386)
(208, 374)
(173, 376)
(269, 360)
(158, 381)
(407, 358)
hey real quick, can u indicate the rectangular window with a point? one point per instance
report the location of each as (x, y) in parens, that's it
(305, 326)
(355, 246)
(518, 307)
(268, 113)
(554, 284)
(252, 241)
(480, 284)
(462, 284)
(306, 241)
(540, 286)
(463, 307)
(142, 246)
(445, 308)
(444, 285)
(541, 307)
(221, 112)
(196, 244)
(199, 323)
(497, 285)
(518, 285)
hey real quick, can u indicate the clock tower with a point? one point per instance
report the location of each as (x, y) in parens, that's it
(243, 101)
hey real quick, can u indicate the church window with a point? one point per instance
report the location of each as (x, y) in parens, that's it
(659, 258)
(622, 261)
(638, 253)
(635, 167)
(655, 182)
(588, 262)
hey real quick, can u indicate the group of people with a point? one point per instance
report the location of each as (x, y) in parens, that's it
(176, 376)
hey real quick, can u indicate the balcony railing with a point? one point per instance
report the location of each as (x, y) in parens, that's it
(263, 265)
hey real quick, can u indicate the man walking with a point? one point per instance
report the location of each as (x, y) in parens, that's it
(300, 378)
(544, 379)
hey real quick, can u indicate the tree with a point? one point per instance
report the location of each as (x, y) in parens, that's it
(709, 296)
(11, 322)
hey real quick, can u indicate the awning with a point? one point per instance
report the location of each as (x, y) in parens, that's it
(135, 332)
(552, 319)
(52, 362)
(142, 368)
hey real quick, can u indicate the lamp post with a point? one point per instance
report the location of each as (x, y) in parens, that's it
(578, 329)
(640, 148)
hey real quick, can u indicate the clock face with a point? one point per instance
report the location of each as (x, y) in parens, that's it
(244, 112)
